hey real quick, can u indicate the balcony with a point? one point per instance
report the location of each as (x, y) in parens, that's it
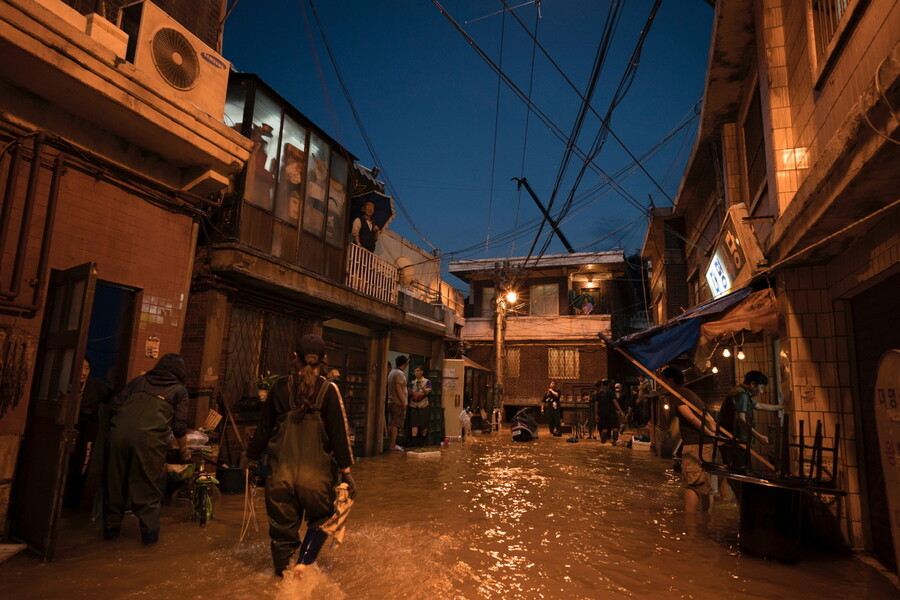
(372, 276)
(522, 328)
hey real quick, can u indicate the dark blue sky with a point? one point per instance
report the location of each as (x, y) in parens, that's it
(429, 105)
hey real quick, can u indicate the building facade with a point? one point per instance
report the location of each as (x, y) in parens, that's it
(108, 169)
(550, 331)
(792, 183)
(279, 262)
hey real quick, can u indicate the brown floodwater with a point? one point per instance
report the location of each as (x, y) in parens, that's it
(487, 519)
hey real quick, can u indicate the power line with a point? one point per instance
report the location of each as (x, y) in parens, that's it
(359, 123)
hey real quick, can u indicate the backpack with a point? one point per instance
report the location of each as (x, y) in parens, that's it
(727, 415)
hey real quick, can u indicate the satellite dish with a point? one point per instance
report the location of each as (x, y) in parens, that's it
(405, 268)
(175, 58)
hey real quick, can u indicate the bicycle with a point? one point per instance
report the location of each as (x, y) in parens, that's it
(200, 490)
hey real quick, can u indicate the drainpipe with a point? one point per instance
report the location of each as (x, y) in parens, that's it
(27, 213)
(15, 160)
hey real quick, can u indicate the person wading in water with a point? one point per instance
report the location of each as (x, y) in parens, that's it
(304, 425)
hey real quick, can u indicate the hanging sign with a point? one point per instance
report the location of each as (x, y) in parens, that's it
(151, 347)
(887, 418)
(735, 255)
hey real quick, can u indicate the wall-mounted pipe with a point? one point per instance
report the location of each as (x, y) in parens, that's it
(9, 195)
(12, 291)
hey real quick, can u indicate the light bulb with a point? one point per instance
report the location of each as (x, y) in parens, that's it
(511, 297)
(740, 354)
(726, 352)
(666, 406)
(715, 369)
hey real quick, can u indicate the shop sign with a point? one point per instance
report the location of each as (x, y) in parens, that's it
(887, 418)
(735, 254)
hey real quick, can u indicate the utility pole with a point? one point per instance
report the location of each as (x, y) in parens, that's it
(524, 183)
(504, 298)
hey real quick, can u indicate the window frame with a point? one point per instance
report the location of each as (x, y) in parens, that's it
(545, 297)
(569, 371)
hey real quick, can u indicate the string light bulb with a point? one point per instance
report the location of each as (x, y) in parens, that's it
(511, 296)
(726, 352)
(740, 353)
(715, 370)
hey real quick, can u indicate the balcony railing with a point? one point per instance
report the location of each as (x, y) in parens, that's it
(371, 275)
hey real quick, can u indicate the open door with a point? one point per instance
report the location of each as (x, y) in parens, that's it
(53, 409)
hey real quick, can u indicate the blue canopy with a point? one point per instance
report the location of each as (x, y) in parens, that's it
(656, 346)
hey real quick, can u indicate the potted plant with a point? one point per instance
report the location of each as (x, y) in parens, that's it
(264, 383)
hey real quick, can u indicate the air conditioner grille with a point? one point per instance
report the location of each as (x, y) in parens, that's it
(175, 58)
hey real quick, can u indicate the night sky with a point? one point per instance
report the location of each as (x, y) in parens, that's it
(448, 149)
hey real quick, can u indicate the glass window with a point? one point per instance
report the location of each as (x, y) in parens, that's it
(337, 198)
(293, 169)
(487, 296)
(316, 186)
(544, 300)
(234, 106)
(511, 362)
(263, 163)
(562, 363)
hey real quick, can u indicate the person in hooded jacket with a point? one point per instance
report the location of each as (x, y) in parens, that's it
(143, 413)
(304, 426)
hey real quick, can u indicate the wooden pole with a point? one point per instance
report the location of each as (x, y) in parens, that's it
(684, 400)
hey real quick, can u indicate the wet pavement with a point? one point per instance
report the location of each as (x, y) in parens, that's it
(487, 519)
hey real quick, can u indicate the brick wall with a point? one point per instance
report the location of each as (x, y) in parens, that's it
(530, 385)
(134, 243)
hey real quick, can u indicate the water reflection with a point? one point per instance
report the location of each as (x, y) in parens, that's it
(489, 519)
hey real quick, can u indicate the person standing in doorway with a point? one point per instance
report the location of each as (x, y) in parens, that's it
(397, 401)
(550, 406)
(304, 425)
(695, 480)
(94, 393)
(419, 413)
(143, 414)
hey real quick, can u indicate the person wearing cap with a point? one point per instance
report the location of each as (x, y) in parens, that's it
(304, 425)
(737, 417)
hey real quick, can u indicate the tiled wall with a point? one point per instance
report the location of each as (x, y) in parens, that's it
(818, 360)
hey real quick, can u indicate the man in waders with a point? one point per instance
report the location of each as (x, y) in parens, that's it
(142, 415)
(304, 425)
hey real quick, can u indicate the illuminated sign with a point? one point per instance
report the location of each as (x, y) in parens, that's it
(717, 276)
(730, 265)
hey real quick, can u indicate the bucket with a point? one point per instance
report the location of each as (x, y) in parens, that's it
(231, 479)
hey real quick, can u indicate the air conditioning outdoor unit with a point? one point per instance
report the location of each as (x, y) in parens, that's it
(174, 61)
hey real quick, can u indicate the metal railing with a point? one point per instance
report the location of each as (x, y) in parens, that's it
(371, 275)
(827, 15)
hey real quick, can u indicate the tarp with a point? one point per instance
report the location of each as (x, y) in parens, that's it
(468, 362)
(756, 313)
(656, 346)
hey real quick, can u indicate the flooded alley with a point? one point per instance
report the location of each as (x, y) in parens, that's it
(488, 519)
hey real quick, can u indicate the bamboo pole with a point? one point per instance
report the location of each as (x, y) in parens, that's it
(684, 400)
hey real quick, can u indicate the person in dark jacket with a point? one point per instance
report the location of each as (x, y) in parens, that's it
(551, 407)
(94, 394)
(304, 425)
(608, 412)
(143, 413)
